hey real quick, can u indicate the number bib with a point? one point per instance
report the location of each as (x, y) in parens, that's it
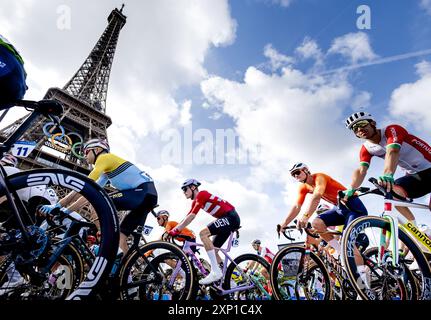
(23, 149)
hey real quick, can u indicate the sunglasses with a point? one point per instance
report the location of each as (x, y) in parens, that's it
(184, 189)
(360, 124)
(296, 173)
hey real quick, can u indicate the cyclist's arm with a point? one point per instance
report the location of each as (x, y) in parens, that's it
(391, 160)
(186, 221)
(78, 204)
(74, 199)
(360, 173)
(395, 136)
(358, 176)
(70, 198)
(293, 213)
(318, 192)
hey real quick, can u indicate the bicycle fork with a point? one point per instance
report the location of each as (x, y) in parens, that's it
(391, 235)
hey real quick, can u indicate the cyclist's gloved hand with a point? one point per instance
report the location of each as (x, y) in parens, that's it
(174, 232)
(46, 209)
(387, 181)
(349, 193)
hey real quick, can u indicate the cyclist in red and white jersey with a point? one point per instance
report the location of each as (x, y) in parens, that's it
(397, 147)
(227, 220)
(262, 251)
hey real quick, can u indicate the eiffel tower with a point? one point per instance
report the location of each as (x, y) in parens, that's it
(84, 102)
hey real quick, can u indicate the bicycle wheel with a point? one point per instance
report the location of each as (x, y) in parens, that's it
(245, 284)
(99, 206)
(383, 281)
(166, 274)
(297, 275)
(409, 280)
(54, 282)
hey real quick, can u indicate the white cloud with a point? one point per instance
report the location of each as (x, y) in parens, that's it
(410, 101)
(160, 50)
(185, 115)
(361, 101)
(354, 46)
(283, 3)
(426, 4)
(276, 59)
(281, 113)
(309, 49)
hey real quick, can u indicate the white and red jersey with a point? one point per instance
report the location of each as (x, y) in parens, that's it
(415, 154)
(210, 203)
(266, 254)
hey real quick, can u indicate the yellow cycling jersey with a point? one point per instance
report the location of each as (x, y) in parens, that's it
(121, 174)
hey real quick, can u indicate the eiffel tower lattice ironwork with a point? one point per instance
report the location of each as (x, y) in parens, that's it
(84, 102)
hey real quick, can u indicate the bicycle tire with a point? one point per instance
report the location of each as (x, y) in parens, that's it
(234, 265)
(65, 274)
(173, 252)
(275, 276)
(348, 243)
(413, 290)
(103, 208)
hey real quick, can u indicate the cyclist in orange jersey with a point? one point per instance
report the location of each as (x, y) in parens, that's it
(322, 186)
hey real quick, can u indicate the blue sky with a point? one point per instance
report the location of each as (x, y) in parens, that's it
(252, 66)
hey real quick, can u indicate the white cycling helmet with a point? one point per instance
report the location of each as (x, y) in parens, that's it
(190, 182)
(162, 213)
(298, 166)
(357, 116)
(257, 241)
(10, 159)
(96, 143)
(321, 208)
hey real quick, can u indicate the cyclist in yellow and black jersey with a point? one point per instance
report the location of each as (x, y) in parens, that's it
(136, 189)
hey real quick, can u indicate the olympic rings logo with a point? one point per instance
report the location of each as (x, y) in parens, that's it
(73, 141)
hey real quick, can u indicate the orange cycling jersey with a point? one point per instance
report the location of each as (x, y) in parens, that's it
(322, 183)
(186, 232)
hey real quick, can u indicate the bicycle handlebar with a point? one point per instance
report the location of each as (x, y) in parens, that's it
(48, 108)
(57, 213)
(379, 190)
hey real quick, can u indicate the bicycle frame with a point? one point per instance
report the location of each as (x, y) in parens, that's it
(396, 220)
(12, 198)
(189, 252)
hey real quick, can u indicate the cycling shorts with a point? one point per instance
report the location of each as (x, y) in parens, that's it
(222, 227)
(338, 216)
(140, 201)
(416, 185)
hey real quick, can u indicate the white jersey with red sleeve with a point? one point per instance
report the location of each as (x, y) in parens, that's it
(210, 203)
(415, 154)
(266, 254)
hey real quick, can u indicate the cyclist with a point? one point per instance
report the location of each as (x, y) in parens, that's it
(267, 255)
(262, 251)
(32, 197)
(12, 74)
(397, 147)
(136, 190)
(163, 221)
(322, 186)
(227, 221)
